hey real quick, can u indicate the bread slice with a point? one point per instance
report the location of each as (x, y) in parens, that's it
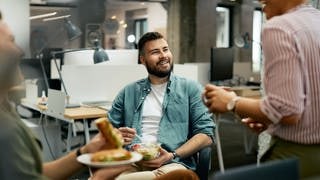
(111, 155)
(113, 137)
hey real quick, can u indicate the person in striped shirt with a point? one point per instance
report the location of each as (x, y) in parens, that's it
(290, 109)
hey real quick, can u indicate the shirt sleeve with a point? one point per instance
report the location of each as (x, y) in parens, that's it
(201, 119)
(17, 156)
(115, 115)
(283, 77)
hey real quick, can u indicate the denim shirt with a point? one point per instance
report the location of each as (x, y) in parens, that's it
(183, 113)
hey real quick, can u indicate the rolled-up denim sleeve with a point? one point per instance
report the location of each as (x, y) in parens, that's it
(201, 119)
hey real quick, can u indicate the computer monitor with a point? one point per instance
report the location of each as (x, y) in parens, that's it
(31, 68)
(221, 64)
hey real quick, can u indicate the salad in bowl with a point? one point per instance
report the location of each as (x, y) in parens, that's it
(149, 151)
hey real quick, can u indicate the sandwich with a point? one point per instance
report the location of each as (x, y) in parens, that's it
(112, 135)
(113, 151)
(111, 155)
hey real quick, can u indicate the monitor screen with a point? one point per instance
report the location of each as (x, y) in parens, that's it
(221, 64)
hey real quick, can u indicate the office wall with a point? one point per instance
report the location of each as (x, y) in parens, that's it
(16, 14)
(182, 29)
(246, 15)
(206, 29)
(156, 16)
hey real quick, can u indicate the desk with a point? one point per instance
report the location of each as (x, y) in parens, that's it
(247, 91)
(70, 116)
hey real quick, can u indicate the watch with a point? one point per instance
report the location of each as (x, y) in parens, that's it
(175, 155)
(232, 104)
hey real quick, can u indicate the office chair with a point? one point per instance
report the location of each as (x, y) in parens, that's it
(276, 170)
(203, 161)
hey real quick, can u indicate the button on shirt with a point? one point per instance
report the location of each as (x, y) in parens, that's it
(183, 113)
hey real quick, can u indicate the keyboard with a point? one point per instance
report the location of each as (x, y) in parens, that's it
(99, 104)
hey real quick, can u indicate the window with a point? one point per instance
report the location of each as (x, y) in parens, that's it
(256, 41)
(140, 28)
(223, 27)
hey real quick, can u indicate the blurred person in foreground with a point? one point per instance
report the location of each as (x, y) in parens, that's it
(162, 108)
(290, 109)
(20, 151)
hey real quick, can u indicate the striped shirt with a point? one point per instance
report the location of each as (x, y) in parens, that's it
(291, 46)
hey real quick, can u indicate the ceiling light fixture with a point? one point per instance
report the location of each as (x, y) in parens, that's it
(42, 16)
(56, 18)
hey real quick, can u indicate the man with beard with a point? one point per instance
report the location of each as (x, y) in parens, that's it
(162, 108)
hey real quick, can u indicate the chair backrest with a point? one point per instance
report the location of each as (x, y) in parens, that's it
(275, 170)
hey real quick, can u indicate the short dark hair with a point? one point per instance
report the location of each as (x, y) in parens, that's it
(150, 36)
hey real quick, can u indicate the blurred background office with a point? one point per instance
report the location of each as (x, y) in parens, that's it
(195, 30)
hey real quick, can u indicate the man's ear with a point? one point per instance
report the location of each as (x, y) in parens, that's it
(141, 58)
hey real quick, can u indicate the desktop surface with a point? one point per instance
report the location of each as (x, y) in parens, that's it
(247, 91)
(106, 105)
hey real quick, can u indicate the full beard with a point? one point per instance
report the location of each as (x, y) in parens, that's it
(157, 72)
(9, 71)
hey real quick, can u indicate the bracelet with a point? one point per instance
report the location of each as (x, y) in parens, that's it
(78, 152)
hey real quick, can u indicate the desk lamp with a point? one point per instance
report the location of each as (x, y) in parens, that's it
(99, 56)
(243, 41)
(73, 32)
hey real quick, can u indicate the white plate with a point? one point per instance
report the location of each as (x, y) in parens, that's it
(86, 159)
